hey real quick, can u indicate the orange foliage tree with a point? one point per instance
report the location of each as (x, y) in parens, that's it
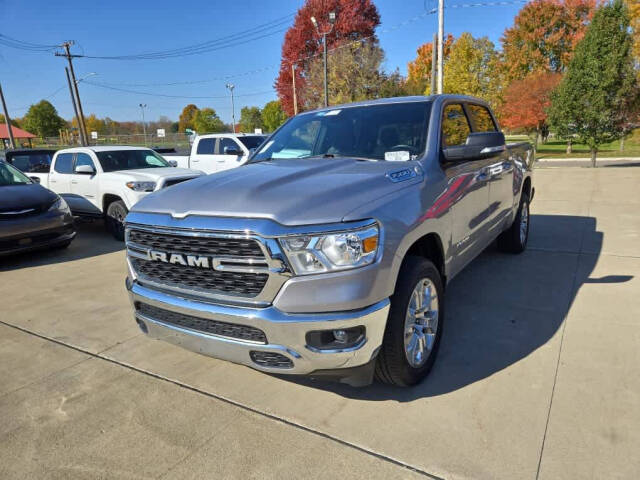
(544, 35)
(419, 70)
(526, 102)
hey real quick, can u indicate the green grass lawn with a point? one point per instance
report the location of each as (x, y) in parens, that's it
(558, 148)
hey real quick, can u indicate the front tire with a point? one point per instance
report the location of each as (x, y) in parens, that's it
(116, 213)
(414, 327)
(514, 240)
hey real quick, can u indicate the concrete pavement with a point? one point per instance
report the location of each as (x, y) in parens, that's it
(538, 374)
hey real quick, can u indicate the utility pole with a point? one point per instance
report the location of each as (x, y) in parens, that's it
(295, 96)
(69, 57)
(231, 86)
(7, 120)
(75, 109)
(440, 45)
(144, 125)
(332, 21)
(434, 61)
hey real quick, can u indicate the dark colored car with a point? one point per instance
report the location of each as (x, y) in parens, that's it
(31, 217)
(30, 160)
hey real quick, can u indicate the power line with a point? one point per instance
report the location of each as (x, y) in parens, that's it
(22, 45)
(208, 97)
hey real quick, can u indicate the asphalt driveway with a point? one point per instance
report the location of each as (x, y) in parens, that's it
(538, 374)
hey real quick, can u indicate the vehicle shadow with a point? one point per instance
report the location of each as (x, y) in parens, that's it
(91, 240)
(501, 308)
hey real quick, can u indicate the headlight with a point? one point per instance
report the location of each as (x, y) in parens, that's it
(142, 186)
(60, 206)
(332, 251)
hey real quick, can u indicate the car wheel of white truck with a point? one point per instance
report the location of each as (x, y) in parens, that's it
(515, 239)
(116, 213)
(414, 327)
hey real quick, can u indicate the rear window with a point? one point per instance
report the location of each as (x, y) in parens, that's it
(64, 163)
(205, 146)
(481, 118)
(36, 162)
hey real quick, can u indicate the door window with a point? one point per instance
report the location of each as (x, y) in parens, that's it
(205, 146)
(64, 163)
(455, 126)
(84, 159)
(482, 121)
(227, 142)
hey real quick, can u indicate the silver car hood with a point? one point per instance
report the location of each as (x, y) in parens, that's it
(290, 192)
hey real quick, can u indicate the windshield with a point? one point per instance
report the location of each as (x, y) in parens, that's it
(394, 131)
(12, 176)
(31, 162)
(114, 160)
(253, 141)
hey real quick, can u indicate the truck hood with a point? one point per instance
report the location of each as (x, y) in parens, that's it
(152, 174)
(290, 192)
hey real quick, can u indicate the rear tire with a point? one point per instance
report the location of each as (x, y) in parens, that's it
(116, 213)
(514, 240)
(412, 322)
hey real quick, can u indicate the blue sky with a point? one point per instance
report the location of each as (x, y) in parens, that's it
(128, 27)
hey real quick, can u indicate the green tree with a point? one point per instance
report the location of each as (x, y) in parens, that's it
(43, 120)
(250, 119)
(187, 117)
(599, 94)
(14, 122)
(207, 121)
(273, 116)
(472, 69)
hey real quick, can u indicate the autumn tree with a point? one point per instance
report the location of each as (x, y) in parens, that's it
(544, 35)
(599, 93)
(250, 119)
(526, 102)
(43, 120)
(187, 117)
(472, 69)
(634, 17)
(355, 20)
(419, 70)
(207, 121)
(273, 116)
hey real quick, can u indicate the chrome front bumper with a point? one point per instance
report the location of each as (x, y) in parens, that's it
(285, 332)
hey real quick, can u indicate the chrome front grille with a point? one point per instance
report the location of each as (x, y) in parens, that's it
(219, 266)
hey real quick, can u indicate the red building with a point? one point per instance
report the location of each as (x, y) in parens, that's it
(19, 136)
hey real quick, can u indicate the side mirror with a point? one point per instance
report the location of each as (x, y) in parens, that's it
(35, 179)
(477, 146)
(232, 151)
(173, 163)
(85, 170)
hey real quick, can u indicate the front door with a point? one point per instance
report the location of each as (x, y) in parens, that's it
(226, 161)
(467, 191)
(84, 186)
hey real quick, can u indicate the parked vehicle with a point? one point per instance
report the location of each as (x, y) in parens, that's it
(219, 151)
(108, 181)
(30, 160)
(330, 253)
(31, 217)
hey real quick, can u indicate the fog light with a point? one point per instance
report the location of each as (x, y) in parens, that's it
(338, 339)
(340, 336)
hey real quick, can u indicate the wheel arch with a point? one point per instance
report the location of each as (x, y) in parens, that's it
(429, 246)
(108, 199)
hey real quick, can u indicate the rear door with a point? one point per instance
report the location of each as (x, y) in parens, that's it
(499, 170)
(467, 192)
(84, 187)
(224, 160)
(60, 174)
(204, 158)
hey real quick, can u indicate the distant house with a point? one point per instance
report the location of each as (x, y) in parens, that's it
(19, 136)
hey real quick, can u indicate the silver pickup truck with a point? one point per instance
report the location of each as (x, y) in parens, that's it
(329, 252)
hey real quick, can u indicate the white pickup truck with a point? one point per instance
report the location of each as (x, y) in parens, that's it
(108, 181)
(218, 151)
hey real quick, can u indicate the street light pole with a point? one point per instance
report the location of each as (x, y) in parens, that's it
(144, 125)
(332, 21)
(7, 120)
(231, 86)
(440, 45)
